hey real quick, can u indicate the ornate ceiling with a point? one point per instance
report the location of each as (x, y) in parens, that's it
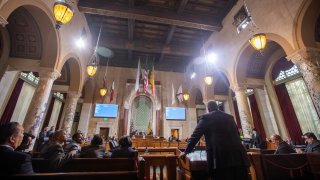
(168, 33)
(25, 36)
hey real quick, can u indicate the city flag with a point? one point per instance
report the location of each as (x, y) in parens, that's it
(179, 94)
(151, 78)
(146, 81)
(112, 91)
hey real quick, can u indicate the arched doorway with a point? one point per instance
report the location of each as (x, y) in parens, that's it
(141, 115)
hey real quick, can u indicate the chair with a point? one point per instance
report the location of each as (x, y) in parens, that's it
(314, 161)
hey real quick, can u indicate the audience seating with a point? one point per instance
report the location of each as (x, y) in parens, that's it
(118, 175)
(89, 165)
(281, 166)
(314, 161)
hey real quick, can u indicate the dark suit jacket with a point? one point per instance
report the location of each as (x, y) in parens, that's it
(55, 154)
(223, 144)
(14, 162)
(284, 148)
(123, 152)
(315, 147)
(257, 141)
(92, 152)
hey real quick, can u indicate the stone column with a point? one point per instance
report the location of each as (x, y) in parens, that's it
(244, 110)
(85, 118)
(37, 108)
(70, 108)
(308, 61)
(125, 121)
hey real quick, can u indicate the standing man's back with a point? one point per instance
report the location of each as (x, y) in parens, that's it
(227, 158)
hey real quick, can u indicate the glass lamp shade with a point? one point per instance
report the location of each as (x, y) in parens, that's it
(92, 69)
(208, 80)
(186, 96)
(258, 41)
(103, 91)
(62, 12)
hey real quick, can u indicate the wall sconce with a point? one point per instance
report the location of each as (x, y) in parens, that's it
(208, 80)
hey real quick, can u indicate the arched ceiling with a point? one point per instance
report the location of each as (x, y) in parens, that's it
(64, 79)
(222, 84)
(169, 32)
(25, 36)
(256, 67)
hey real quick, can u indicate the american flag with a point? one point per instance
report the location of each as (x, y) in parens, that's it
(146, 80)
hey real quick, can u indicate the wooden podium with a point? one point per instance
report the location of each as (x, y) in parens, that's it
(193, 167)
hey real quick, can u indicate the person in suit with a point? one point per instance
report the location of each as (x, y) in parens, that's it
(75, 144)
(227, 158)
(313, 143)
(26, 142)
(124, 149)
(13, 162)
(94, 150)
(55, 153)
(282, 146)
(43, 138)
(257, 139)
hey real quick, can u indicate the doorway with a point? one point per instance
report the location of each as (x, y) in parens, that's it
(175, 133)
(104, 132)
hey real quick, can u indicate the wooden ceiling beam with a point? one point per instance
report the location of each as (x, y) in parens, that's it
(147, 47)
(101, 8)
(130, 29)
(182, 5)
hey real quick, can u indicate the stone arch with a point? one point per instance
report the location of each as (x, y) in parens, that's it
(42, 15)
(73, 62)
(195, 90)
(306, 19)
(129, 101)
(221, 85)
(246, 51)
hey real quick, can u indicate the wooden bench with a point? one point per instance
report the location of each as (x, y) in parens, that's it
(117, 175)
(280, 166)
(89, 165)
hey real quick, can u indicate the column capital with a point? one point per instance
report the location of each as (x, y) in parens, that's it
(239, 87)
(3, 22)
(307, 55)
(46, 73)
(73, 94)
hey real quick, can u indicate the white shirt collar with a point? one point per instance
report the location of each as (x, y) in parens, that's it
(5, 145)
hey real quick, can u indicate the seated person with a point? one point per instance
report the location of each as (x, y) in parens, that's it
(13, 162)
(172, 138)
(26, 142)
(75, 144)
(313, 143)
(55, 153)
(282, 146)
(94, 150)
(113, 144)
(257, 140)
(124, 149)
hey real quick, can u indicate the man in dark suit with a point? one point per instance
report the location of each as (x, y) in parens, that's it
(124, 150)
(282, 146)
(13, 162)
(227, 158)
(257, 139)
(55, 153)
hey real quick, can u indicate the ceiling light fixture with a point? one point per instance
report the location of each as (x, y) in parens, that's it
(92, 66)
(62, 12)
(208, 79)
(258, 41)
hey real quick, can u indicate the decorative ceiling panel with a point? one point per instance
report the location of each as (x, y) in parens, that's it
(25, 35)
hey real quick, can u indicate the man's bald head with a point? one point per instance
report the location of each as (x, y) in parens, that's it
(212, 106)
